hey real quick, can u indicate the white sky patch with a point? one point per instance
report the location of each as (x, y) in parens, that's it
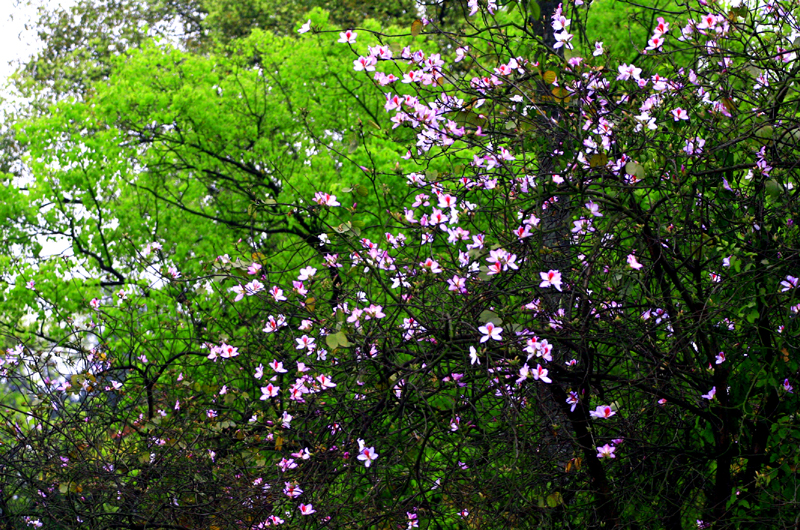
(17, 38)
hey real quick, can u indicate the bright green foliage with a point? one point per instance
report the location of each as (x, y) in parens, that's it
(197, 152)
(230, 19)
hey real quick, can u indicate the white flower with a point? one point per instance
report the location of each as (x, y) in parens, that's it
(367, 455)
(490, 331)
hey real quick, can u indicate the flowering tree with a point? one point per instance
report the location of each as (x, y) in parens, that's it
(571, 302)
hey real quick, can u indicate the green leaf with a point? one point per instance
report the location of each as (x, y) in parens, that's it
(636, 169)
(490, 316)
(534, 11)
(554, 499)
(332, 341)
(765, 132)
(352, 143)
(341, 339)
(549, 77)
(773, 188)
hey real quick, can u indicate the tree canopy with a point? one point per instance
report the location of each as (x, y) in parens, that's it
(496, 267)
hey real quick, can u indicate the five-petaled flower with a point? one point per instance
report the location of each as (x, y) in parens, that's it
(490, 331)
(306, 273)
(551, 279)
(606, 451)
(348, 37)
(367, 454)
(602, 411)
(269, 391)
(655, 43)
(680, 114)
(540, 374)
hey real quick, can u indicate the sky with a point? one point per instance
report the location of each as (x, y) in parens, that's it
(15, 41)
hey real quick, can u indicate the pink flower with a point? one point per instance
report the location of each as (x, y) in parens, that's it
(661, 28)
(325, 199)
(606, 451)
(457, 284)
(277, 293)
(789, 283)
(305, 342)
(274, 323)
(572, 400)
(602, 411)
(366, 64)
(269, 391)
(540, 374)
(627, 71)
(711, 393)
(367, 455)
(285, 464)
(633, 263)
(305, 28)
(431, 265)
(523, 231)
(325, 381)
(680, 114)
(306, 273)
(563, 39)
(306, 509)
(226, 351)
(694, 146)
(655, 43)
(277, 366)
(593, 208)
(707, 22)
(490, 331)
(292, 490)
(239, 290)
(253, 287)
(551, 279)
(347, 37)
